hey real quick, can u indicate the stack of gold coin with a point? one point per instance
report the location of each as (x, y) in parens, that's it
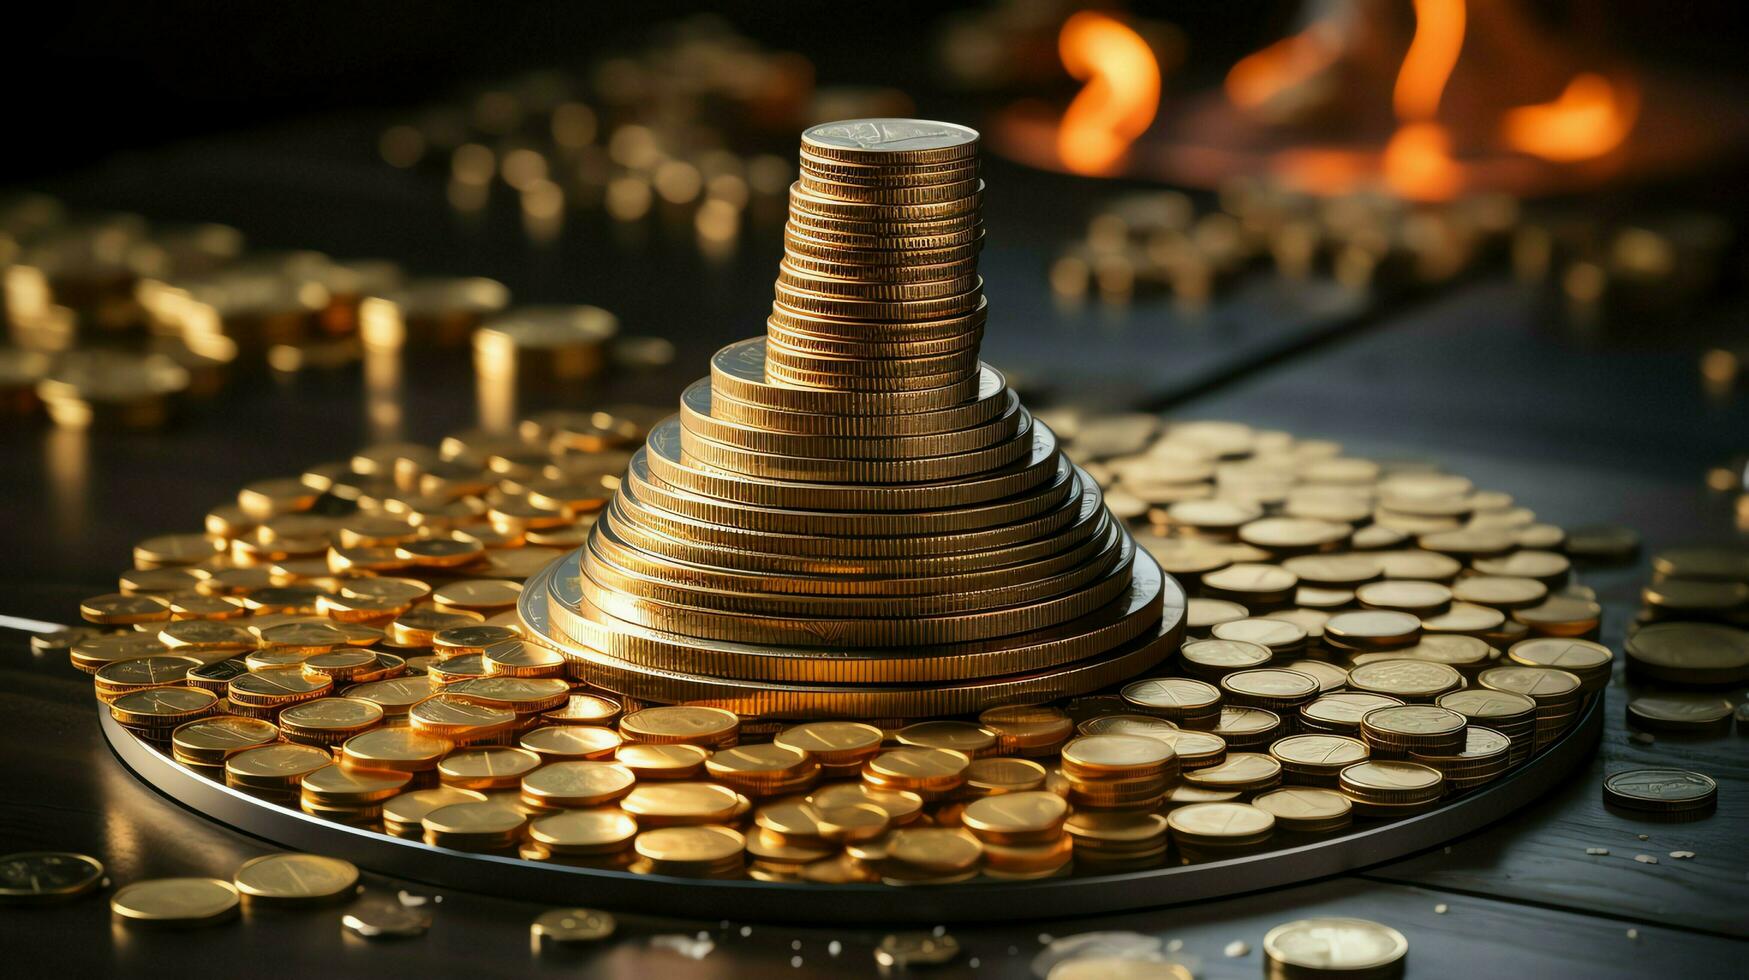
(1512, 715)
(1334, 947)
(1271, 688)
(555, 742)
(1022, 834)
(933, 774)
(928, 855)
(1557, 693)
(703, 851)
(1241, 773)
(264, 694)
(1117, 840)
(527, 698)
(594, 838)
(1215, 658)
(400, 749)
(402, 813)
(840, 747)
(1410, 680)
(1316, 759)
(852, 518)
(275, 772)
(584, 709)
(514, 658)
(348, 795)
(1184, 701)
(1340, 713)
(768, 769)
(204, 745)
(1385, 788)
(488, 827)
(487, 768)
(154, 713)
(125, 676)
(1121, 772)
(1370, 630)
(1394, 732)
(1246, 728)
(1304, 810)
(1029, 730)
(683, 804)
(673, 760)
(328, 721)
(1589, 661)
(585, 783)
(396, 695)
(711, 728)
(1486, 756)
(461, 721)
(1212, 831)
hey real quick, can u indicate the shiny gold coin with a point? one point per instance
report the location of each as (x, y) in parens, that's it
(472, 820)
(1004, 775)
(477, 595)
(972, 740)
(1544, 684)
(329, 720)
(571, 926)
(1411, 680)
(493, 767)
(1114, 756)
(401, 749)
(410, 808)
(1218, 823)
(1242, 771)
(556, 742)
(274, 767)
(459, 719)
(1404, 595)
(834, 743)
(1372, 629)
(471, 638)
(210, 741)
(1560, 616)
(584, 709)
(901, 806)
(1685, 653)
(933, 850)
(678, 847)
(515, 658)
(397, 694)
(665, 760)
(124, 610)
(595, 831)
(1301, 808)
(160, 709)
(336, 785)
(175, 902)
(1334, 946)
(679, 803)
(692, 724)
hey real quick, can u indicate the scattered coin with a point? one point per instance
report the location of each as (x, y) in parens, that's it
(47, 877)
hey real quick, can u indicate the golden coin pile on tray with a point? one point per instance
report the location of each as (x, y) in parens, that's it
(853, 517)
(717, 666)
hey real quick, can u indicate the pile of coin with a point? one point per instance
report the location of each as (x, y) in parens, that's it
(852, 517)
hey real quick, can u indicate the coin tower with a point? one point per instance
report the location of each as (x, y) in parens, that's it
(853, 516)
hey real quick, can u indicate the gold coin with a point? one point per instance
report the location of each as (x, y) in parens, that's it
(210, 741)
(662, 760)
(1411, 680)
(960, 736)
(1319, 752)
(1544, 684)
(901, 806)
(585, 709)
(275, 766)
(397, 694)
(1116, 755)
(473, 820)
(703, 845)
(1300, 807)
(1344, 709)
(1016, 818)
(118, 609)
(1220, 822)
(445, 716)
(691, 724)
(410, 808)
(295, 879)
(933, 850)
(569, 926)
(1334, 945)
(1372, 628)
(1382, 776)
(477, 595)
(918, 768)
(1686, 653)
(336, 785)
(401, 749)
(46, 877)
(1245, 771)
(596, 831)
(833, 742)
(691, 803)
(493, 767)
(572, 742)
(175, 901)
(162, 708)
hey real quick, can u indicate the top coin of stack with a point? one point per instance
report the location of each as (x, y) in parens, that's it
(852, 517)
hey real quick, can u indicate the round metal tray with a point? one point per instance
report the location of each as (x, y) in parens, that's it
(975, 901)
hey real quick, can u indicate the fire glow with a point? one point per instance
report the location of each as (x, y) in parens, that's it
(1426, 154)
(1121, 94)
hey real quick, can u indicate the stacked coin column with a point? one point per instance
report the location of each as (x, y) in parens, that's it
(879, 287)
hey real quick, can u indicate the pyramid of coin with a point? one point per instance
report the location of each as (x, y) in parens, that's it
(853, 517)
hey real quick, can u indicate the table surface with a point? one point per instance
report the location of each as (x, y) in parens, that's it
(1582, 426)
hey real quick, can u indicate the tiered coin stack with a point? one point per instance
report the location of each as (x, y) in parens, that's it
(852, 517)
(316, 616)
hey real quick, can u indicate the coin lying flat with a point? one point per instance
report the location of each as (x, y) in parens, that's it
(175, 901)
(1335, 947)
(383, 920)
(296, 879)
(568, 926)
(46, 877)
(1660, 790)
(1679, 713)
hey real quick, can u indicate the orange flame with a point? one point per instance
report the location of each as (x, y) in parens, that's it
(1119, 99)
(1417, 161)
(1589, 119)
(1260, 77)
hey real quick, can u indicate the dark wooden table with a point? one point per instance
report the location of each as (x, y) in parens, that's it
(1581, 427)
